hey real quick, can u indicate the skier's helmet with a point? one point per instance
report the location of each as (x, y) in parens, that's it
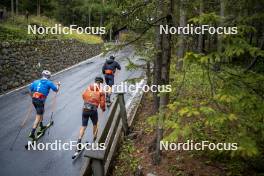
(46, 74)
(99, 79)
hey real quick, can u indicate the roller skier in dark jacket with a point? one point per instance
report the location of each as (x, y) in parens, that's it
(109, 70)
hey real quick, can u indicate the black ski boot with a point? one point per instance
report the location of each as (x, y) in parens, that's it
(108, 100)
(79, 145)
(94, 138)
(32, 135)
(42, 127)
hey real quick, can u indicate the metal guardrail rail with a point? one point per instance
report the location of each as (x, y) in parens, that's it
(97, 162)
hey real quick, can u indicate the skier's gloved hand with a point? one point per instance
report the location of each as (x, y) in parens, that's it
(58, 83)
(58, 86)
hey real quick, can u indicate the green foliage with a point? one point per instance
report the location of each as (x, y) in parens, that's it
(206, 18)
(16, 30)
(131, 65)
(235, 112)
(152, 120)
(129, 162)
(9, 32)
(238, 46)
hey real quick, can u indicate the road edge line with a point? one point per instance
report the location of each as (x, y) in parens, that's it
(57, 73)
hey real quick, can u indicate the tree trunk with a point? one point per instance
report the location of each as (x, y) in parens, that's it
(89, 17)
(158, 57)
(38, 7)
(110, 35)
(181, 42)
(166, 59)
(165, 69)
(222, 15)
(157, 81)
(165, 78)
(12, 7)
(102, 16)
(201, 37)
(16, 7)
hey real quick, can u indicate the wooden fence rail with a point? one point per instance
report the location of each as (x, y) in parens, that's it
(98, 161)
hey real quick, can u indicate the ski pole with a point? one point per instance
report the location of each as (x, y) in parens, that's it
(95, 133)
(22, 126)
(54, 102)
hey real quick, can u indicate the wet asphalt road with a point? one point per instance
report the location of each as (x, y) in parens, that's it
(67, 121)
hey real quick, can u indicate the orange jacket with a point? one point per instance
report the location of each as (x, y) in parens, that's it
(95, 96)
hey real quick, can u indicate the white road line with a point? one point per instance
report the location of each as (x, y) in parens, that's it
(66, 69)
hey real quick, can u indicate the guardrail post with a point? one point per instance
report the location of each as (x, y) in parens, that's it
(123, 112)
(97, 167)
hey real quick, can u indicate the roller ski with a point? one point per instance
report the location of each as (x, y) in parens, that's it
(79, 150)
(40, 133)
(108, 104)
(108, 100)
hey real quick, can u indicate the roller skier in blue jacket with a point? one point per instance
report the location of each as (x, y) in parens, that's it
(39, 91)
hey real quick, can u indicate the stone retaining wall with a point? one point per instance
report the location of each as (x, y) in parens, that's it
(22, 62)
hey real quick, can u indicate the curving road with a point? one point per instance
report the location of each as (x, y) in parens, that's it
(67, 120)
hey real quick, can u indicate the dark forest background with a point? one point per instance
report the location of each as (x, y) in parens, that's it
(217, 80)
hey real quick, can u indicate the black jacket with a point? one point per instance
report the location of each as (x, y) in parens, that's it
(110, 65)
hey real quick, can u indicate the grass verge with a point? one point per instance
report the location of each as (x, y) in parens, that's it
(15, 29)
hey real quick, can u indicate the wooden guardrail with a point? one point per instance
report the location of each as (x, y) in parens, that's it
(98, 161)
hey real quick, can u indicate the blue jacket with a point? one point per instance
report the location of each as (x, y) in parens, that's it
(43, 86)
